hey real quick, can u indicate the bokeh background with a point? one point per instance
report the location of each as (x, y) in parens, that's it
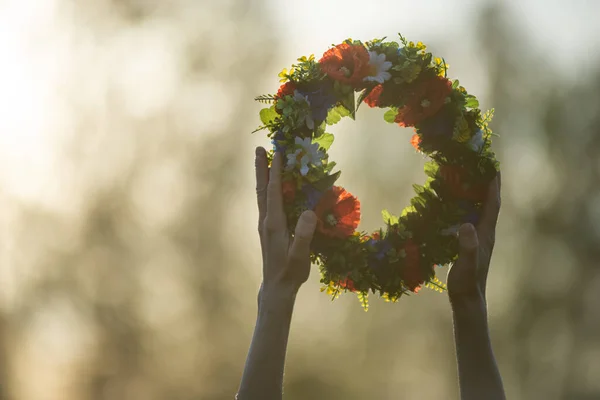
(129, 259)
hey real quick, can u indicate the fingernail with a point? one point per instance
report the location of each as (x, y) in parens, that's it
(309, 217)
(260, 152)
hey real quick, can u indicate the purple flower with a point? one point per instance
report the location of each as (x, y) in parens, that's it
(321, 98)
(278, 140)
(439, 126)
(377, 258)
(312, 196)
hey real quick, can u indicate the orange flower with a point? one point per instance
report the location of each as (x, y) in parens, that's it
(347, 63)
(289, 191)
(415, 141)
(286, 89)
(454, 176)
(412, 275)
(373, 98)
(347, 283)
(338, 213)
(425, 100)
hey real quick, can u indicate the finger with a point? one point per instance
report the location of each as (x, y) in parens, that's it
(486, 228)
(275, 219)
(262, 180)
(299, 255)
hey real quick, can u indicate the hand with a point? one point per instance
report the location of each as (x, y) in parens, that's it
(286, 260)
(467, 278)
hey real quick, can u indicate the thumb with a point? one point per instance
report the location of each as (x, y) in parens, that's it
(299, 255)
(462, 277)
(468, 243)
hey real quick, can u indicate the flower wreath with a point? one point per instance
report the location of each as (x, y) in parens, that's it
(449, 129)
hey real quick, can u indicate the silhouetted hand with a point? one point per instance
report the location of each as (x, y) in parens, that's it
(479, 377)
(467, 278)
(286, 260)
(286, 266)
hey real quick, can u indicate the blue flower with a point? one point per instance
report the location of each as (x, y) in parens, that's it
(377, 258)
(278, 140)
(312, 196)
(440, 125)
(321, 98)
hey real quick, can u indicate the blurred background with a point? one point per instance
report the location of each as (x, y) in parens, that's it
(129, 259)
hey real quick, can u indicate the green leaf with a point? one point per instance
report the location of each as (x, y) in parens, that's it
(363, 96)
(327, 182)
(472, 102)
(418, 189)
(325, 141)
(390, 115)
(389, 218)
(268, 115)
(455, 84)
(431, 169)
(336, 114)
(348, 102)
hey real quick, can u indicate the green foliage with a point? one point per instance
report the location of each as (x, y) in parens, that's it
(265, 98)
(389, 218)
(336, 114)
(471, 102)
(325, 141)
(306, 70)
(390, 115)
(268, 115)
(327, 182)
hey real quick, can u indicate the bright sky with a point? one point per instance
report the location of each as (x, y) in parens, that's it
(310, 26)
(34, 49)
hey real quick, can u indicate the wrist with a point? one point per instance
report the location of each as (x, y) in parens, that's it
(276, 297)
(468, 304)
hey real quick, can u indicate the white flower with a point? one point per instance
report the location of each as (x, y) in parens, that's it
(476, 142)
(306, 116)
(308, 153)
(378, 67)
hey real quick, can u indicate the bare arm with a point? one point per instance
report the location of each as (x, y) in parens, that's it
(478, 373)
(286, 266)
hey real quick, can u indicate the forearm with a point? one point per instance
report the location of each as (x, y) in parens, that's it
(263, 372)
(478, 373)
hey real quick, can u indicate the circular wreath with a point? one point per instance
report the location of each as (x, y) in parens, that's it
(449, 129)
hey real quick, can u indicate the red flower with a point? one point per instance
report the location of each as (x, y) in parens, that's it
(412, 275)
(454, 176)
(415, 141)
(338, 213)
(373, 98)
(425, 100)
(347, 63)
(347, 283)
(289, 191)
(287, 89)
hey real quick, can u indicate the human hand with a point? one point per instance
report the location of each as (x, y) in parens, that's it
(286, 260)
(467, 278)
